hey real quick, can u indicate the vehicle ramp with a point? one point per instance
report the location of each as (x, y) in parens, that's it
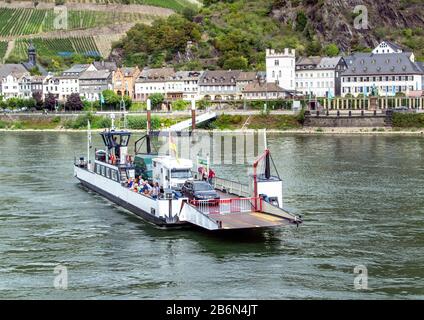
(236, 213)
(186, 124)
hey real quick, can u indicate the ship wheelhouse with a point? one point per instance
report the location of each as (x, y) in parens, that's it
(114, 162)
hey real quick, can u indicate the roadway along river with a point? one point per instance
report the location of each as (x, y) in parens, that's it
(362, 199)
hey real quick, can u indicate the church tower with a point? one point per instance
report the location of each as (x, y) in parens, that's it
(32, 54)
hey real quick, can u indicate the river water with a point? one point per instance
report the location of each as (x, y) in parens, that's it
(362, 199)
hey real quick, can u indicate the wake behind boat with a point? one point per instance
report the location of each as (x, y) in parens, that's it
(163, 189)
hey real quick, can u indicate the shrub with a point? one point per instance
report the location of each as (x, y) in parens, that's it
(56, 120)
(180, 105)
(408, 120)
(101, 122)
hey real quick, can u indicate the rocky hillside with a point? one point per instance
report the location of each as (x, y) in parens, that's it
(233, 34)
(333, 21)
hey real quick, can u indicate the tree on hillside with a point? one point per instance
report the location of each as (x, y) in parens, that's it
(331, 50)
(313, 48)
(161, 40)
(74, 102)
(50, 102)
(236, 63)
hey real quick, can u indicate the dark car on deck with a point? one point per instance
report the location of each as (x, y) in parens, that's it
(200, 190)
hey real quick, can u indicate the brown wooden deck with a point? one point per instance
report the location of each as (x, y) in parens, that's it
(248, 220)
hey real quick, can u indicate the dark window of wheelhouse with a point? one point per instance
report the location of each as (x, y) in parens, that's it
(124, 140)
(108, 173)
(103, 171)
(98, 169)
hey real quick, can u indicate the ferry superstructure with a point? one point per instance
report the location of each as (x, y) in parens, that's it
(240, 207)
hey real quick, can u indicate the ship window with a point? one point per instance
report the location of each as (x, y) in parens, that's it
(103, 170)
(97, 169)
(108, 173)
(114, 175)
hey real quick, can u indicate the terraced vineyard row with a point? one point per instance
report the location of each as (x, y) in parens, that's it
(17, 22)
(57, 47)
(177, 5)
(3, 49)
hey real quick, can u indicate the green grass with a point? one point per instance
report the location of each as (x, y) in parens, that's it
(234, 122)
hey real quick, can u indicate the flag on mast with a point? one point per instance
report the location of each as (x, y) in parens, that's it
(173, 147)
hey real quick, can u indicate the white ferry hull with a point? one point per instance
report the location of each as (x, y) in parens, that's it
(138, 204)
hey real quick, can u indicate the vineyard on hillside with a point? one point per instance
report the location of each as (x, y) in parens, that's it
(176, 5)
(56, 47)
(18, 22)
(3, 48)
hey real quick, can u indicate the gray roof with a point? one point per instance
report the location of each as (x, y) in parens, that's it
(156, 74)
(99, 74)
(11, 68)
(105, 65)
(318, 62)
(219, 77)
(393, 45)
(380, 64)
(77, 68)
(188, 75)
(420, 65)
(258, 86)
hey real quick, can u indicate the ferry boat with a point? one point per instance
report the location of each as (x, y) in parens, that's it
(258, 205)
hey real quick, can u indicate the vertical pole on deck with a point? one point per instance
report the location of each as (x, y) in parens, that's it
(149, 115)
(148, 125)
(193, 114)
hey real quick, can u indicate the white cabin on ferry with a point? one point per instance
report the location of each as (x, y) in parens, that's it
(171, 173)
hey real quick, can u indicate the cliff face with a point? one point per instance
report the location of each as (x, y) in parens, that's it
(333, 20)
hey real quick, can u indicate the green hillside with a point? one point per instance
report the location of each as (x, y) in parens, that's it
(18, 22)
(234, 34)
(176, 5)
(56, 54)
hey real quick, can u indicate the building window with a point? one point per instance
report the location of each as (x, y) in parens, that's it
(277, 62)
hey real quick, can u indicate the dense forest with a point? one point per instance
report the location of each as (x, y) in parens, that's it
(233, 34)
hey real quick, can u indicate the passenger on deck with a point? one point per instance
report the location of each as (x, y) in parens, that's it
(155, 191)
(211, 176)
(135, 187)
(130, 182)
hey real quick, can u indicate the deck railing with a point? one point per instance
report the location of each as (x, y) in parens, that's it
(227, 206)
(233, 187)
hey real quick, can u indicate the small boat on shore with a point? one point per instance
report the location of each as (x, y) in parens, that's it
(114, 175)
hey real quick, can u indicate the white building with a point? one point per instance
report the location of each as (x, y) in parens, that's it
(153, 81)
(51, 85)
(389, 73)
(10, 75)
(25, 86)
(190, 84)
(280, 68)
(387, 47)
(320, 76)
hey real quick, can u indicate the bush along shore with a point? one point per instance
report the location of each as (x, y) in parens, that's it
(402, 122)
(80, 122)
